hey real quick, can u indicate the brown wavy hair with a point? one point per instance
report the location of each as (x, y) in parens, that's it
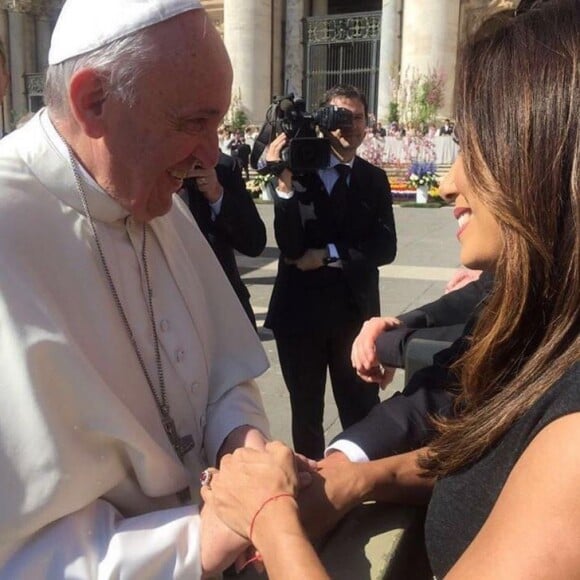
(518, 106)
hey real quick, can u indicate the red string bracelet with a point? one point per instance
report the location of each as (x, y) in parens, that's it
(257, 557)
(266, 502)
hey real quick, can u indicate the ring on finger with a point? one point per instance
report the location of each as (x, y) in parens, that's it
(205, 477)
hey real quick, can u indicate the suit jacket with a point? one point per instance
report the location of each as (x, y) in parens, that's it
(238, 226)
(364, 235)
(444, 319)
(402, 423)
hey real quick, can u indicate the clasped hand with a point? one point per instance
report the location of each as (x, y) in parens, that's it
(245, 480)
(241, 492)
(312, 259)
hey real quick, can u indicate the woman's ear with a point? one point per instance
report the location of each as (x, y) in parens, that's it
(87, 95)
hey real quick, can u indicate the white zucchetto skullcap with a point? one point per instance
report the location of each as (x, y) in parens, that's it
(86, 25)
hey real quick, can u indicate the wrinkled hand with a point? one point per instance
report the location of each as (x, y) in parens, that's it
(220, 546)
(461, 278)
(331, 495)
(247, 478)
(364, 352)
(312, 259)
(207, 182)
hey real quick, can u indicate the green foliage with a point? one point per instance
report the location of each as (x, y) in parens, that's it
(254, 186)
(393, 112)
(239, 120)
(420, 98)
(237, 117)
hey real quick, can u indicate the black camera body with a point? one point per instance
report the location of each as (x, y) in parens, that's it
(306, 151)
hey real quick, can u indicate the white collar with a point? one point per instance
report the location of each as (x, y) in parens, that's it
(103, 207)
(334, 160)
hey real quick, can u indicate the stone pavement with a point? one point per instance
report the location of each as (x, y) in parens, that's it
(428, 255)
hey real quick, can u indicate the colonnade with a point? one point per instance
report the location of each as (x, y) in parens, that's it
(416, 36)
(25, 30)
(265, 41)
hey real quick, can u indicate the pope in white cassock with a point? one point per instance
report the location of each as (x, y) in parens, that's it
(127, 361)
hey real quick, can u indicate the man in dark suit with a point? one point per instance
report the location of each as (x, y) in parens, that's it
(446, 128)
(227, 217)
(334, 227)
(244, 151)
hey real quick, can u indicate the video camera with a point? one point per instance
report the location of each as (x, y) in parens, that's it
(306, 151)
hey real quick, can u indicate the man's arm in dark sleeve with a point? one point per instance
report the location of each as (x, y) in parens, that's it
(238, 220)
(288, 227)
(402, 423)
(443, 319)
(458, 306)
(392, 345)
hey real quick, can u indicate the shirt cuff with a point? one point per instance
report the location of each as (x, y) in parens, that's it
(284, 194)
(216, 206)
(333, 253)
(350, 449)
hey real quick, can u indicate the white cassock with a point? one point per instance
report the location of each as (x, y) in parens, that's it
(88, 478)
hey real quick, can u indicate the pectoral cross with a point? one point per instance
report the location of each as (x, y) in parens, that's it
(182, 445)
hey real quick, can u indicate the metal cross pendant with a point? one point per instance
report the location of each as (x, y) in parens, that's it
(182, 445)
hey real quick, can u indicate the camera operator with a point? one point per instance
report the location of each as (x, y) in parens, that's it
(334, 227)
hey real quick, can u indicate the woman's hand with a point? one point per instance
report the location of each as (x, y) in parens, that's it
(364, 352)
(247, 480)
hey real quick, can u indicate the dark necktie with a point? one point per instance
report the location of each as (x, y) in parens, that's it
(339, 192)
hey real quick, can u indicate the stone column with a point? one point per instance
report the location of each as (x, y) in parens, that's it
(390, 56)
(43, 34)
(17, 28)
(430, 36)
(277, 48)
(248, 39)
(30, 62)
(6, 103)
(294, 69)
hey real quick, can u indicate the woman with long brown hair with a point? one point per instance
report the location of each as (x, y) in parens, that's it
(506, 468)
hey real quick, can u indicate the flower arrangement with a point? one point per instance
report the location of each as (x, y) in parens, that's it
(420, 96)
(421, 173)
(373, 150)
(255, 185)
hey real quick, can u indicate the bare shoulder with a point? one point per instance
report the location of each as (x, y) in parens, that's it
(533, 530)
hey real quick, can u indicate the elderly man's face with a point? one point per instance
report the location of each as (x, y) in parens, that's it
(150, 147)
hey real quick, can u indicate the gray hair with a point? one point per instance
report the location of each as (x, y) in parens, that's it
(120, 63)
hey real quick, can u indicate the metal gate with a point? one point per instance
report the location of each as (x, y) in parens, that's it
(342, 49)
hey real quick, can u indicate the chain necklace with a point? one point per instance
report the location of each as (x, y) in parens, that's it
(181, 445)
